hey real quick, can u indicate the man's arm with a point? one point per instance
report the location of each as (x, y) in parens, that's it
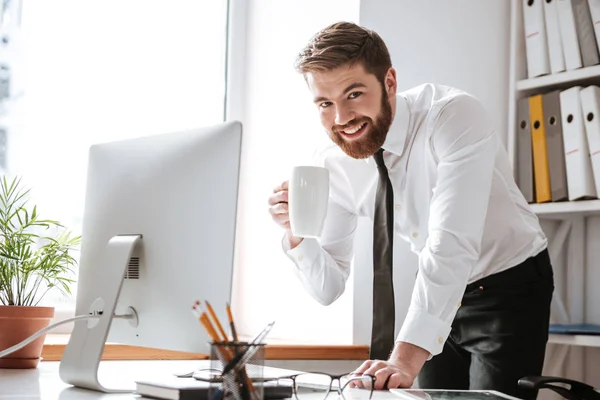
(323, 265)
(466, 145)
(464, 141)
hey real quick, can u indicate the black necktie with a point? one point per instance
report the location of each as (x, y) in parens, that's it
(382, 334)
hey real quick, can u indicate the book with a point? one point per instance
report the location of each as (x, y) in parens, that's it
(575, 329)
(173, 388)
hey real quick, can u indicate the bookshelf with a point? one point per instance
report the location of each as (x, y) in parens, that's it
(583, 76)
(521, 86)
(567, 240)
(566, 209)
(575, 340)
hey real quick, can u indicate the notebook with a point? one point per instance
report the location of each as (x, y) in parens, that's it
(173, 388)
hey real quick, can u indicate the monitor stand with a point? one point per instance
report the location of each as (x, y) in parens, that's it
(81, 358)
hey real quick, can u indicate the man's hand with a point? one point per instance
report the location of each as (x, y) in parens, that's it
(279, 210)
(400, 370)
(387, 374)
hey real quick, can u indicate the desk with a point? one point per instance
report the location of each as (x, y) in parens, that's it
(44, 383)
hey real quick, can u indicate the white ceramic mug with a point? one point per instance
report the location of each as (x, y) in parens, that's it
(308, 195)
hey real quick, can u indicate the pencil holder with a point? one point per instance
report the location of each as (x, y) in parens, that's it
(239, 370)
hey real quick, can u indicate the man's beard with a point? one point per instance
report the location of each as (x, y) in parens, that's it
(371, 141)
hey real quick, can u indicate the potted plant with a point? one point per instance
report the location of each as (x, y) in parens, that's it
(35, 257)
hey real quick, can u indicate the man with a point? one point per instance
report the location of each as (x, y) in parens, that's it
(479, 312)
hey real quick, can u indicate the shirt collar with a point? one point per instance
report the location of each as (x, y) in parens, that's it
(395, 140)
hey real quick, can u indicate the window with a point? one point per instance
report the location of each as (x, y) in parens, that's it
(107, 70)
(101, 71)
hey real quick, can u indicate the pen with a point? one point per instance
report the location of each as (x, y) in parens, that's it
(235, 337)
(242, 358)
(231, 324)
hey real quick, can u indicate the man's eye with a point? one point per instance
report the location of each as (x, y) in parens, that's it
(354, 95)
(325, 104)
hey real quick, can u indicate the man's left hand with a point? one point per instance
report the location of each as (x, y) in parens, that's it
(388, 374)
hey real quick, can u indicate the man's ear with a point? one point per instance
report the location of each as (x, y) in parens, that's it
(391, 84)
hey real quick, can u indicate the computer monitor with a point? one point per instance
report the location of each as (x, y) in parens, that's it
(158, 233)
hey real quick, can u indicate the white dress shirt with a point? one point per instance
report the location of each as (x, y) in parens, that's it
(456, 203)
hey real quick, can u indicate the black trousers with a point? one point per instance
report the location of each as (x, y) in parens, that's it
(499, 334)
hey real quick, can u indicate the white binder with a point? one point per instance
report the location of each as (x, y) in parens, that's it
(590, 105)
(585, 33)
(555, 47)
(580, 178)
(568, 34)
(536, 40)
(595, 12)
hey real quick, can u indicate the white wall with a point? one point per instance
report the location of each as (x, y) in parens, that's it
(461, 43)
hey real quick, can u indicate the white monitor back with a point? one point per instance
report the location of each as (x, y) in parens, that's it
(179, 191)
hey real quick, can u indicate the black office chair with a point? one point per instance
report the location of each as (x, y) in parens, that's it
(576, 391)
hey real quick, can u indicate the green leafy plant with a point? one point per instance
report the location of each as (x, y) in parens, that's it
(31, 263)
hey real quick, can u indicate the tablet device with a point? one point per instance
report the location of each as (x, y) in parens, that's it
(441, 394)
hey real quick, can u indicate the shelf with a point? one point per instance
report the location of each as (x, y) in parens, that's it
(561, 80)
(566, 208)
(575, 340)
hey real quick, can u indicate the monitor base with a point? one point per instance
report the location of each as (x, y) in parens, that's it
(81, 358)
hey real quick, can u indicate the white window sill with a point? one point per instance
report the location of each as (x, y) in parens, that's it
(55, 344)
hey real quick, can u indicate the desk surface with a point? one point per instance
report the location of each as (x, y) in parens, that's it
(44, 382)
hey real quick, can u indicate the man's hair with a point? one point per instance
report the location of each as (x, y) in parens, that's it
(345, 43)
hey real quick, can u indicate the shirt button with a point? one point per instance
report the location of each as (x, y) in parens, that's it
(398, 207)
(415, 235)
(440, 340)
(300, 257)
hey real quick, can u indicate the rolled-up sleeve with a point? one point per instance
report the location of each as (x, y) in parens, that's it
(465, 144)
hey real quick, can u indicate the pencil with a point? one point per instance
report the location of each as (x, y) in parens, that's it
(232, 324)
(209, 328)
(212, 332)
(216, 319)
(227, 354)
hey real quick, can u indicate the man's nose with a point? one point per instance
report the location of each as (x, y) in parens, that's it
(343, 116)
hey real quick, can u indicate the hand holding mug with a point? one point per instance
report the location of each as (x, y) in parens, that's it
(300, 205)
(278, 206)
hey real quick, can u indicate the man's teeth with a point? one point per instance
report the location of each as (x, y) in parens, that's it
(354, 130)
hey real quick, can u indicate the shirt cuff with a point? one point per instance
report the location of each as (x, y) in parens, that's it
(424, 330)
(304, 254)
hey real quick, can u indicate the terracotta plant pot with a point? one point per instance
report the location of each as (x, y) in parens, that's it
(17, 323)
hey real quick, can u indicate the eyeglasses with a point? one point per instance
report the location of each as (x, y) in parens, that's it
(317, 386)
